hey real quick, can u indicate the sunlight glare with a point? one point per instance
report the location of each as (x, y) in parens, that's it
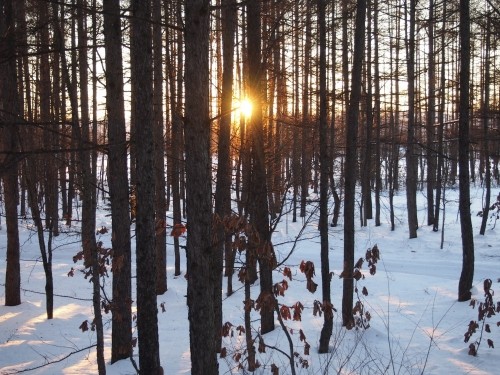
(246, 108)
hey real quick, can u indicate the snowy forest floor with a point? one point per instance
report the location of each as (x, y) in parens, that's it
(417, 326)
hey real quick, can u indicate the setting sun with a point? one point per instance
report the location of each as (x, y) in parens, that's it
(246, 108)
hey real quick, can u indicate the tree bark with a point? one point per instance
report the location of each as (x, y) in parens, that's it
(9, 142)
(200, 249)
(121, 334)
(259, 209)
(142, 77)
(223, 187)
(350, 166)
(326, 331)
(486, 152)
(467, 274)
(159, 152)
(411, 160)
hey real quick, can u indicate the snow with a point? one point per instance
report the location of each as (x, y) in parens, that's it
(417, 325)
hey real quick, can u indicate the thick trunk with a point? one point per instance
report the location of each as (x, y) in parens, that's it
(141, 76)
(9, 144)
(200, 251)
(121, 335)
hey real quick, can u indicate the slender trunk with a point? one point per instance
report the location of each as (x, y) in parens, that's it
(326, 331)
(377, 109)
(440, 135)
(305, 168)
(486, 152)
(467, 274)
(159, 153)
(258, 205)
(431, 113)
(350, 166)
(411, 159)
(223, 188)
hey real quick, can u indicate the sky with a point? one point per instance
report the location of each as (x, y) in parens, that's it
(416, 327)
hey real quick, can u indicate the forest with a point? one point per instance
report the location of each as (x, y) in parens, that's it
(200, 129)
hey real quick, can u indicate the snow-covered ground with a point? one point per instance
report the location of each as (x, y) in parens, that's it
(417, 325)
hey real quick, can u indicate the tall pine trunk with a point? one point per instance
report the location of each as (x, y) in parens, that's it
(467, 274)
(326, 331)
(200, 249)
(9, 139)
(121, 335)
(142, 77)
(351, 164)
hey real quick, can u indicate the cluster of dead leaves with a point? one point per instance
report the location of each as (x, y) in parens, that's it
(307, 268)
(486, 309)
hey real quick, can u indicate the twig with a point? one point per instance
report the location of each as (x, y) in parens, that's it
(55, 295)
(51, 362)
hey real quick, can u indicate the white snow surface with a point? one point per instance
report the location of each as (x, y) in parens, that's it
(417, 326)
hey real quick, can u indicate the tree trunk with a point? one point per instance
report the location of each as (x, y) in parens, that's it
(9, 143)
(431, 113)
(141, 76)
(121, 335)
(159, 151)
(440, 135)
(175, 138)
(367, 172)
(350, 166)
(486, 152)
(200, 251)
(258, 205)
(467, 275)
(326, 331)
(411, 160)
(377, 109)
(305, 166)
(223, 187)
